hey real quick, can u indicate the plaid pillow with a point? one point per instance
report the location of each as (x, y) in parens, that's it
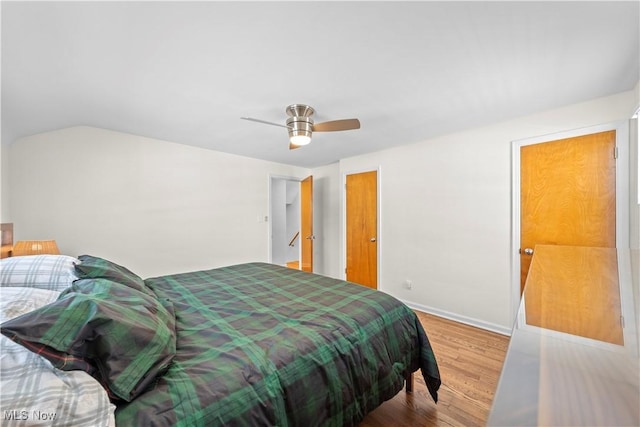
(28, 381)
(122, 337)
(51, 272)
(100, 268)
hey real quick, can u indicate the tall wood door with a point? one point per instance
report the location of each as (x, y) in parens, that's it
(567, 194)
(362, 228)
(306, 224)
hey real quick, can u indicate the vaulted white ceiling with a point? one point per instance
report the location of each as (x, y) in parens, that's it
(187, 71)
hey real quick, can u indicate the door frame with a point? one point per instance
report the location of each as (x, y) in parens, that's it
(622, 191)
(343, 186)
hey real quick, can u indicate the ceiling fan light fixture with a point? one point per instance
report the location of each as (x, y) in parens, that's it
(300, 140)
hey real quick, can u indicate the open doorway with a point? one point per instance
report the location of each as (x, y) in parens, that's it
(285, 221)
(291, 206)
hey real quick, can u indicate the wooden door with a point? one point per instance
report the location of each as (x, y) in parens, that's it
(362, 228)
(306, 224)
(567, 194)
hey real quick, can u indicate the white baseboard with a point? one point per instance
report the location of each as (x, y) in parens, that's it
(459, 318)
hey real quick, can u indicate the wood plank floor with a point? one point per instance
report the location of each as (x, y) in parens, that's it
(470, 361)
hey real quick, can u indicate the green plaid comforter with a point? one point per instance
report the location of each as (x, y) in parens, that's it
(263, 345)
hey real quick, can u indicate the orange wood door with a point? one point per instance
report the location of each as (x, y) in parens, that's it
(567, 194)
(306, 224)
(362, 228)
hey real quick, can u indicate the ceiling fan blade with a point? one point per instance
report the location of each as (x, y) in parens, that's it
(265, 122)
(335, 125)
(293, 146)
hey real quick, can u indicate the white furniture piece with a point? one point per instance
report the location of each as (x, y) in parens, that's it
(573, 355)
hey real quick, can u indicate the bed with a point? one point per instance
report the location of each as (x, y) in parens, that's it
(248, 344)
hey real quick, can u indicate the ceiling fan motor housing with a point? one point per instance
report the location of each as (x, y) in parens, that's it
(300, 110)
(300, 126)
(299, 121)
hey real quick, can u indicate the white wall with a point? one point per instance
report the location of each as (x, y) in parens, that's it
(446, 212)
(156, 207)
(326, 220)
(634, 187)
(278, 220)
(5, 215)
(293, 217)
(634, 166)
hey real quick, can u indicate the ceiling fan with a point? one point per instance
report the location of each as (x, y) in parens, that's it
(301, 125)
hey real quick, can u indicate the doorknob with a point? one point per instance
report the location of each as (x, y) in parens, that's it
(373, 239)
(311, 237)
(528, 251)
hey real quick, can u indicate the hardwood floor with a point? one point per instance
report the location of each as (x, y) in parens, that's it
(294, 264)
(470, 361)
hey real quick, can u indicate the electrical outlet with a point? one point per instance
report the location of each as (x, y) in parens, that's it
(408, 284)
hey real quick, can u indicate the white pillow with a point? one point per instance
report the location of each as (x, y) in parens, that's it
(52, 272)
